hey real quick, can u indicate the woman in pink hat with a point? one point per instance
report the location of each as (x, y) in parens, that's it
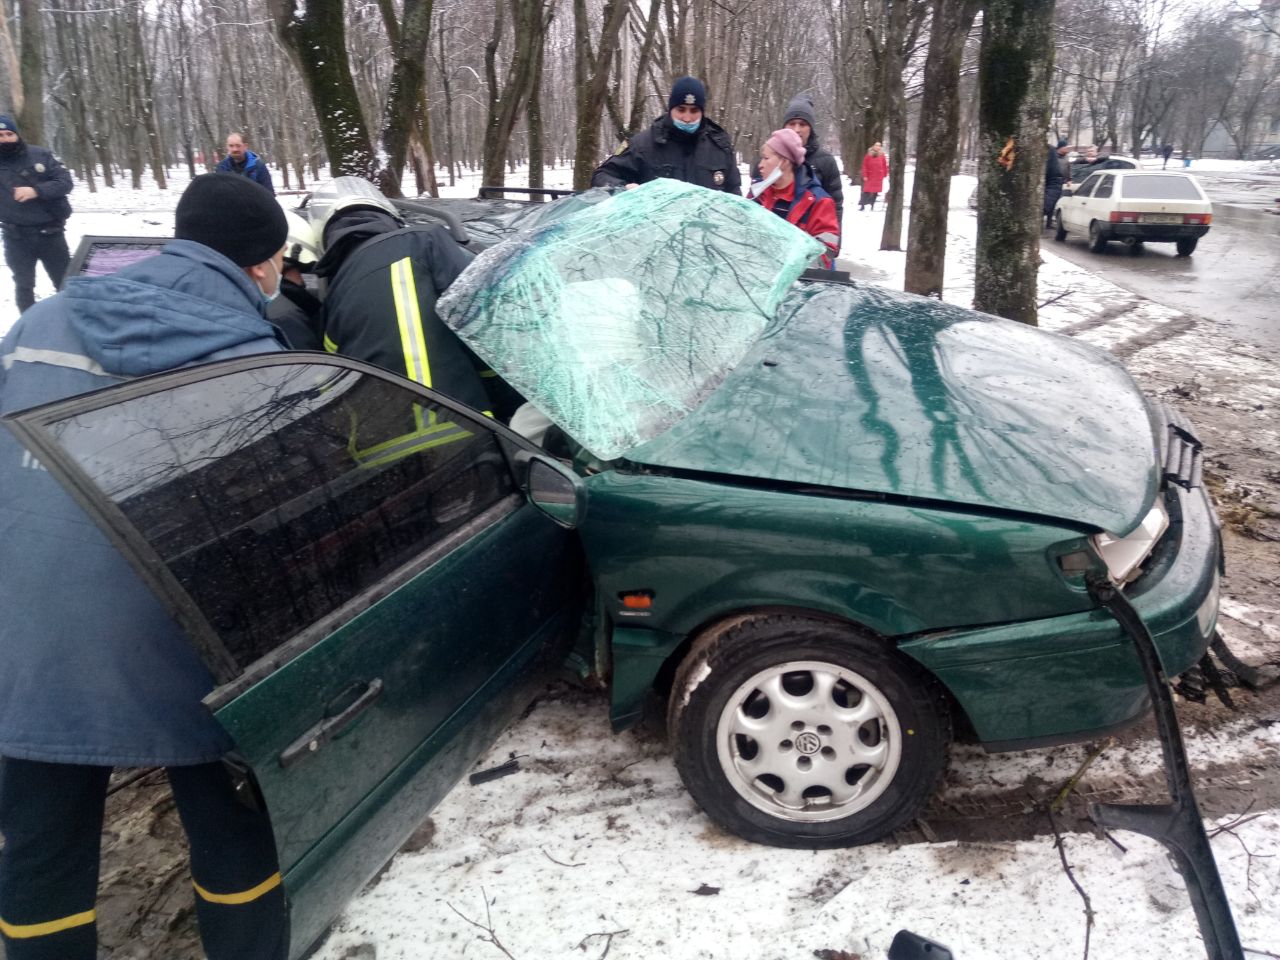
(789, 188)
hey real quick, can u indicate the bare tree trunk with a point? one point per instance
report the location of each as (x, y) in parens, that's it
(314, 34)
(591, 74)
(533, 121)
(1016, 61)
(505, 103)
(31, 107)
(404, 97)
(936, 142)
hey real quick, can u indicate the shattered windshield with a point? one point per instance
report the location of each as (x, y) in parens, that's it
(619, 319)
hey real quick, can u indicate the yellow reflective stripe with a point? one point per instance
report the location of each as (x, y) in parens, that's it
(24, 931)
(329, 345)
(245, 896)
(425, 439)
(412, 340)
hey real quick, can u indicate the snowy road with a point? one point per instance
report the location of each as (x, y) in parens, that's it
(1234, 275)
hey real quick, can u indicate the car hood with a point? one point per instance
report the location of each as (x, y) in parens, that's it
(869, 390)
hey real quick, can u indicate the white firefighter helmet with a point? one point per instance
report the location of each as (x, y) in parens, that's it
(344, 193)
(300, 247)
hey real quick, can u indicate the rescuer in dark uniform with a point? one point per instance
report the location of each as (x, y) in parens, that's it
(682, 145)
(382, 283)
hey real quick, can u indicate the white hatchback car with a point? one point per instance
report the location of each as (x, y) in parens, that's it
(1136, 206)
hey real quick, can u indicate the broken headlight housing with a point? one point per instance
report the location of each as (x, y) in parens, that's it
(1124, 555)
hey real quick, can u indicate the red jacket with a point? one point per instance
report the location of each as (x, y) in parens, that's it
(814, 212)
(874, 170)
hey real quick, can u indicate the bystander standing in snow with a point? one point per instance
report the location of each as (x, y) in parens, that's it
(1054, 176)
(243, 161)
(799, 116)
(789, 187)
(94, 673)
(875, 167)
(33, 212)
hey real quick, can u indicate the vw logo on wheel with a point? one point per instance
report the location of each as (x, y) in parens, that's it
(808, 743)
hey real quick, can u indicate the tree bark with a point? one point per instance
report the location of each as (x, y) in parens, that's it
(591, 75)
(505, 103)
(31, 60)
(1015, 63)
(936, 143)
(314, 34)
(404, 95)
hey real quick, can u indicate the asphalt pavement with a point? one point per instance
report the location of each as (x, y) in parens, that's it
(1234, 275)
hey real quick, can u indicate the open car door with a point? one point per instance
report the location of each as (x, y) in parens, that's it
(359, 565)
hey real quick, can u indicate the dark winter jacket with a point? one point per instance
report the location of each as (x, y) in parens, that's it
(253, 168)
(808, 206)
(92, 669)
(380, 306)
(704, 158)
(34, 167)
(296, 313)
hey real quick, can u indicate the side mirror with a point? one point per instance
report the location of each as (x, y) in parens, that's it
(556, 490)
(911, 946)
(1067, 191)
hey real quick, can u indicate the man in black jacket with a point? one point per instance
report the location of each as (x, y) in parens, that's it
(682, 145)
(33, 212)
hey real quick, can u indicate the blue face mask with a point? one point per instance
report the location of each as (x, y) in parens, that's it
(687, 127)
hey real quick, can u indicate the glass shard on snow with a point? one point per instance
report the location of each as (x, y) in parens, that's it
(619, 319)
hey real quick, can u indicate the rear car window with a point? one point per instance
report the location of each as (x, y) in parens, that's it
(1152, 187)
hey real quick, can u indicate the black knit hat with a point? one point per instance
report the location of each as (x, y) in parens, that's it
(687, 92)
(800, 108)
(6, 123)
(233, 215)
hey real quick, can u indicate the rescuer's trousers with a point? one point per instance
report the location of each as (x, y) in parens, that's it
(51, 818)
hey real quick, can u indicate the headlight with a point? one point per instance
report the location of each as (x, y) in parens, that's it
(1123, 555)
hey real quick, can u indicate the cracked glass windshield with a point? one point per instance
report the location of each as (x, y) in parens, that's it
(619, 319)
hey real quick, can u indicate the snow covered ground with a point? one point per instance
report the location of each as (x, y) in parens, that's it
(593, 848)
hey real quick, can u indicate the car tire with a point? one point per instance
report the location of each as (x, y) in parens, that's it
(1135, 248)
(1097, 239)
(1059, 231)
(857, 734)
(1187, 247)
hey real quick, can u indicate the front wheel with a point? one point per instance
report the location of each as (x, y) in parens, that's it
(1097, 239)
(1060, 230)
(1187, 247)
(804, 733)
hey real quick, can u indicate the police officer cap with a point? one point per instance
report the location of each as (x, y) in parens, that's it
(233, 215)
(688, 92)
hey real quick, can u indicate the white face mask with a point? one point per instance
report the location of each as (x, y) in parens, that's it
(760, 186)
(268, 297)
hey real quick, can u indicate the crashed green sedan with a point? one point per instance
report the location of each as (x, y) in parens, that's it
(825, 523)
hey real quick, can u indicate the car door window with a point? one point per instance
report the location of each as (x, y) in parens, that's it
(1103, 190)
(1087, 187)
(278, 494)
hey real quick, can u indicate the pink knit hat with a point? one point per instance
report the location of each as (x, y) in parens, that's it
(787, 143)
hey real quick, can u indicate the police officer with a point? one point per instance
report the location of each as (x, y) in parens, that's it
(33, 212)
(681, 145)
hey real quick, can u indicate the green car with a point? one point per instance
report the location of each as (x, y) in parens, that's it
(824, 545)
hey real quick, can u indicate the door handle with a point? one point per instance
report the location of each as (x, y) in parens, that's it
(330, 727)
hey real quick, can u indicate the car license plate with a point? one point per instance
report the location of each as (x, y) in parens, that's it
(1161, 218)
